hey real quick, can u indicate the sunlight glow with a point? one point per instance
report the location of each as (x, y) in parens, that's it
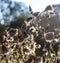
(39, 5)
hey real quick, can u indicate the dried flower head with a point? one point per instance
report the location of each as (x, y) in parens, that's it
(49, 37)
